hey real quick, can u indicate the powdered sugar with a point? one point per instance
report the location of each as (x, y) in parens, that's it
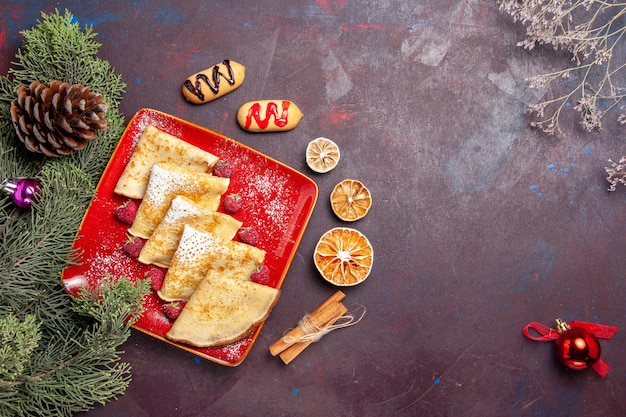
(164, 183)
(160, 121)
(110, 263)
(180, 209)
(195, 244)
(269, 192)
(233, 351)
(167, 125)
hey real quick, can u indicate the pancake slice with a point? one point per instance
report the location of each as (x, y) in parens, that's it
(162, 244)
(166, 182)
(155, 146)
(200, 252)
(223, 310)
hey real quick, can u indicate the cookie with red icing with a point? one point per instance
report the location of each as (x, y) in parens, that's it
(269, 116)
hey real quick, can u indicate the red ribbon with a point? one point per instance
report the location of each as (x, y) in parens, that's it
(598, 330)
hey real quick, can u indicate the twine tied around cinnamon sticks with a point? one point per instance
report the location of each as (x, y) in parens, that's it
(314, 332)
(330, 315)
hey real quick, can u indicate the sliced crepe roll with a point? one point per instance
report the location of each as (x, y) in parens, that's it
(223, 310)
(156, 146)
(200, 252)
(162, 244)
(166, 182)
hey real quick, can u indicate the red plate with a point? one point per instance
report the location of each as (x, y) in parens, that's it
(278, 201)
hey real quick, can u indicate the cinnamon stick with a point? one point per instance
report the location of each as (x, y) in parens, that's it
(327, 311)
(294, 350)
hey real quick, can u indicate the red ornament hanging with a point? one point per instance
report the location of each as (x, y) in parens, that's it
(576, 348)
(23, 191)
(576, 343)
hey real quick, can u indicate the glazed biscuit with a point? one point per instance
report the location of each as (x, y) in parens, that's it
(213, 82)
(269, 116)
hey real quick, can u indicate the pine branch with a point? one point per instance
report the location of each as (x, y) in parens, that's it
(58, 49)
(63, 355)
(89, 371)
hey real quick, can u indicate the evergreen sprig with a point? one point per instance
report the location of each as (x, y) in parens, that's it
(58, 354)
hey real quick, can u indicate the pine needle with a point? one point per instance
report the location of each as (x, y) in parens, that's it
(58, 354)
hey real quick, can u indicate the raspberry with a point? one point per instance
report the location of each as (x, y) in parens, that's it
(133, 246)
(173, 309)
(249, 235)
(261, 275)
(156, 276)
(126, 212)
(223, 168)
(232, 203)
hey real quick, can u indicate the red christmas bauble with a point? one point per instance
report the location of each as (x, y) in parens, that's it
(577, 348)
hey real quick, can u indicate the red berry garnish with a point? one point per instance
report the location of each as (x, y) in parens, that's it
(249, 235)
(172, 310)
(261, 275)
(133, 246)
(223, 168)
(126, 212)
(232, 203)
(156, 277)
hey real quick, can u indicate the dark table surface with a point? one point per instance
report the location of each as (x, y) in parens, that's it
(480, 224)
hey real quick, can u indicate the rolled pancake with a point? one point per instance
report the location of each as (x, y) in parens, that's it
(162, 244)
(166, 182)
(155, 146)
(200, 252)
(223, 310)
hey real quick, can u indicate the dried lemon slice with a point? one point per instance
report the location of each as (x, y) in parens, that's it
(350, 200)
(344, 256)
(322, 155)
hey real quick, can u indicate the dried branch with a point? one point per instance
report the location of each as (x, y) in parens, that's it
(594, 33)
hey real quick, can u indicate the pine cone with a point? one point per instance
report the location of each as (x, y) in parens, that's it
(58, 119)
